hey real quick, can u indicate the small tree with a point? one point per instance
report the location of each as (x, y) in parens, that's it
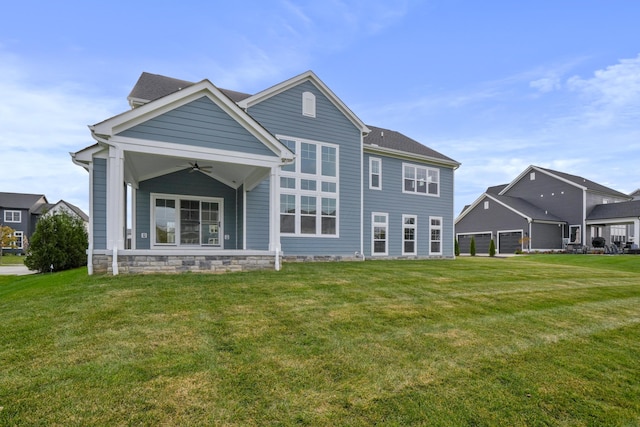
(456, 247)
(7, 238)
(492, 248)
(59, 243)
(472, 248)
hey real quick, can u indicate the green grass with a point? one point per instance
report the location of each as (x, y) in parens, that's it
(538, 340)
(10, 259)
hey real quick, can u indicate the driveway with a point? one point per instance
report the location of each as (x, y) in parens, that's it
(14, 270)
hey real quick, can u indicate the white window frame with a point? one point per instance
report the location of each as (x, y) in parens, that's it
(416, 181)
(431, 229)
(486, 204)
(318, 192)
(12, 216)
(377, 161)
(176, 198)
(532, 176)
(19, 235)
(413, 226)
(375, 224)
(308, 104)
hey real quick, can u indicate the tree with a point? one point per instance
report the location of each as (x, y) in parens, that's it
(492, 248)
(456, 247)
(472, 248)
(7, 238)
(59, 243)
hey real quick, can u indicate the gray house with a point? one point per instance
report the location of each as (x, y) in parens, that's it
(21, 212)
(543, 209)
(219, 180)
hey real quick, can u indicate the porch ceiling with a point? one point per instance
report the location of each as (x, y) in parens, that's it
(143, 166)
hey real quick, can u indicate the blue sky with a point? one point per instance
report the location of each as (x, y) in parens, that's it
(496, 85)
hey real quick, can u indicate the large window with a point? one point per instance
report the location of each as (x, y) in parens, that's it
(186, 221)
(375, 173)
(309, 190)
(421, 180)
(435, 231)
(12, 216)
(379, 227)
(409, 235)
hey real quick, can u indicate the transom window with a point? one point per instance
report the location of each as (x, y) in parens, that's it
(409, 234)
(186, 221)
(435, 231)
(421, 180)
(12, 216)
(309, 190)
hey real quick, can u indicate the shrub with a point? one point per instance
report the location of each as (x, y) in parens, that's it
(492, 248)
(456, 247)
(472, 248)
(59, 243)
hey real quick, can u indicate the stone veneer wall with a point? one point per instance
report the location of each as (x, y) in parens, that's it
(145, 264)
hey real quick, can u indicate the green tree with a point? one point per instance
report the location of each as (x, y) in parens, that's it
(472, 248)
(7, 238)
(456, 247)
(492, 248)
(59, 243)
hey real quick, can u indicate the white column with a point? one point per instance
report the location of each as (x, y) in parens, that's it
(636, 231)
(274, 214)
(115, 203)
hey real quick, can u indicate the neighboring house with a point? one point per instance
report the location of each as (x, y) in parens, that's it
(73, 210)
(21, 212)
(543, 209)
(220, 180)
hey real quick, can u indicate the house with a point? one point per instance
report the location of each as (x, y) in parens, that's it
(219, 180)
(543, 209)
(21, 212)
(72, 210)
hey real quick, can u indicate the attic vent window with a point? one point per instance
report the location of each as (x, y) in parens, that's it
(486, 204)
(532, 176)
(308, 104)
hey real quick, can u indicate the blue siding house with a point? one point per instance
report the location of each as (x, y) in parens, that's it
(209, 179)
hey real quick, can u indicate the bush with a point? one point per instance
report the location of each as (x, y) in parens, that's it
(472, 248)
(456, 247)
(59, 243)
(492, 248)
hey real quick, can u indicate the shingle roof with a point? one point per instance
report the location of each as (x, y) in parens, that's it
(20, 200)
(496, 189)
(615, 210)
(527, 208)
(393, 140)
(593, 186)
(74, 208)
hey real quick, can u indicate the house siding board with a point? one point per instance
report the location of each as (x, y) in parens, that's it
(184, 183)
(257, 211)
(281, 114)
(561, 199)
(496, 218)
(393, 201)
(199, 123)
(546, 236)
(99, 203)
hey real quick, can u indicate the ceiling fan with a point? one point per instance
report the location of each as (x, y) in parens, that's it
(196, 167)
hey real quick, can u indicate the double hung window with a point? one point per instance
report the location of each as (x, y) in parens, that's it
(309, 190)
(375, 173)
(421, 180)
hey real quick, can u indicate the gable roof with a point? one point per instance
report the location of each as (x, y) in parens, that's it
(615, 210)
(21, 200)
(525, 208)
(79, 212)
(385, 140)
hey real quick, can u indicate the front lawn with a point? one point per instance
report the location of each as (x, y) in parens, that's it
(535, 340)
(10, 259)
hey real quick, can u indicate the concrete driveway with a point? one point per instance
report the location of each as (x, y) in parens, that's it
(14, 270)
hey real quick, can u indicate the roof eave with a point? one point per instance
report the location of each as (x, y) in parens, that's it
(405, 155)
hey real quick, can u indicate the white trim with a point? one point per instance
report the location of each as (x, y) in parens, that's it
(386, 233)
(177, 198)
(371, 161)
(12, 220)
(414, 226)
(521, 231)
(427, 169)
(404, 155)
(308, 104)
(438, 227)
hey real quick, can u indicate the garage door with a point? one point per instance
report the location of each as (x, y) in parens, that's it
(482, 242)
(509, 242)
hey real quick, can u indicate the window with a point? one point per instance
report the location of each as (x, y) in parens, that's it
(186, 221)
(379, 225)
(375, 174)
(12, 216)
(435, 231)
(19, 239)
(421, 180)
(409, 235)
(309, 190)
(575, 236)
(308, 104)
(486, 204)
(532, 176)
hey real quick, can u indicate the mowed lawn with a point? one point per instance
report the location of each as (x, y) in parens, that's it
(535, 340)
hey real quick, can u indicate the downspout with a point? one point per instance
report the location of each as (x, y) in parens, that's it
(89, 168)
